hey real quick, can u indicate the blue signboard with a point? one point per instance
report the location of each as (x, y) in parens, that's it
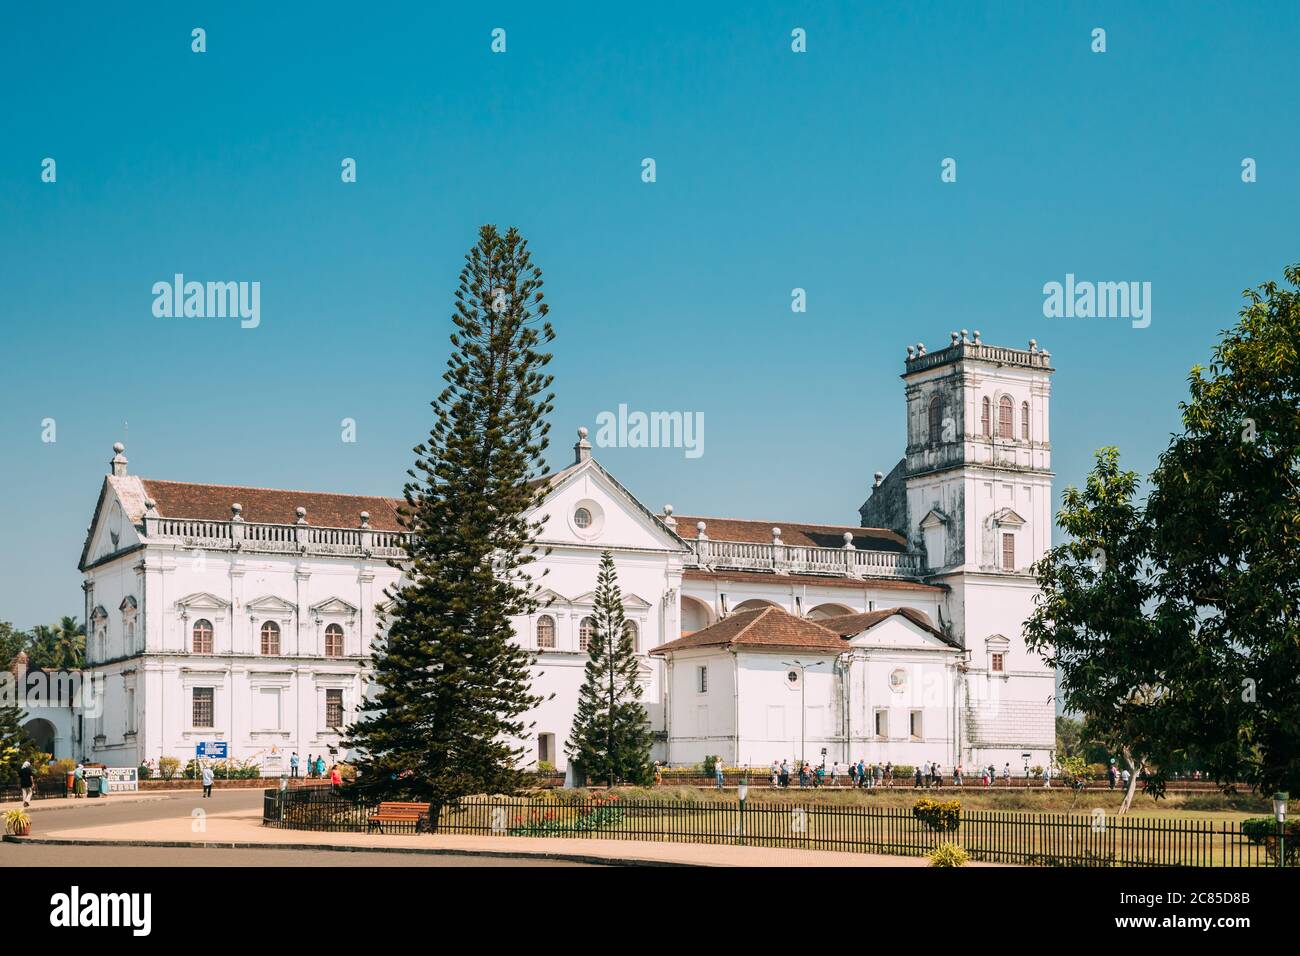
(212, 749)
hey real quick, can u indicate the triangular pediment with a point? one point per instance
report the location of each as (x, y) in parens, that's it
(202, 599)
(899, 632)
(333, 605)
(128, 605)
(269, 602)
(614, 518)
(630, 600)
(113, 526)
(935, 519)
(1006, 518)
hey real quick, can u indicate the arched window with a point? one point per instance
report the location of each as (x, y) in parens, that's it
(634, 635)
(202, 636)
(270, 639)
(1006, 425)
(586, 630)
(936, 419)
(546, 631)
(334, 641)
(986, 424)
(1024, 421)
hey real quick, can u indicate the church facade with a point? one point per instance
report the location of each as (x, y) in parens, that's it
(244, 616)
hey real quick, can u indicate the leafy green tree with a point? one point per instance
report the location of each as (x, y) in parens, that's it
(12, 641)
(1091, 620)
(1225, 516)
(610, 740)
(61, 647)
(453, 682)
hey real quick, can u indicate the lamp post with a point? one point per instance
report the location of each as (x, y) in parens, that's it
(803, 710)
(1279, 813)
(742, 791)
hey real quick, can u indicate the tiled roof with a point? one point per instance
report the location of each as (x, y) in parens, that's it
(799, 535)
(183, 499)
(850, 625)
(769, 627)
(811, 580)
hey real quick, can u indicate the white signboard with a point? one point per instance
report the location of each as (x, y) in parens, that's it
(123, 779)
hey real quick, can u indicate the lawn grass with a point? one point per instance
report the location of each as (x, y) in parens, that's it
(1218, 807)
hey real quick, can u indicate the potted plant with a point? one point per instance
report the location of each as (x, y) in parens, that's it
(18, 822)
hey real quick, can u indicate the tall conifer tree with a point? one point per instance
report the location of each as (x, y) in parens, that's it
(453, 683)
(610, 741)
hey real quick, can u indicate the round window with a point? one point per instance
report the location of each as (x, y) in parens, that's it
(582, 518)
(898, 680)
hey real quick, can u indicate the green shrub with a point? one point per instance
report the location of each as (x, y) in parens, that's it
(143, 771)
(948, 854)
(903, 770)
(1263, 830)
(942, 816)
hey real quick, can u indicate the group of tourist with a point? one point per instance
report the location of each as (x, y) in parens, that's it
(862, 774)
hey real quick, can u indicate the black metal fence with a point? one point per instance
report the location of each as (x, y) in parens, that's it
(48, 786)
(1046, 839)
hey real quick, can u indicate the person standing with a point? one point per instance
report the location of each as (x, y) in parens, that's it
(776, 773)
(79, 780)
(293, 764)
(26, 782)
(1111, 775)
(785, 775)
(956, 777)
(659, 773)
(336, 778)
(718, 769)
(1006, 773)
(207, 782)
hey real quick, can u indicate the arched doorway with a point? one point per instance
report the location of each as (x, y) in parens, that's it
(40, 732)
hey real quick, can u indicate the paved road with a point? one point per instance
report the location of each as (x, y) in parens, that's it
(47, 817)
(13, 855)
(102, 811)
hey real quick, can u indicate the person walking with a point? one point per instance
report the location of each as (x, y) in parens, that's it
(320, 766)
(26, 782)
(659, 773)
(207, 782)
(1111, 775)
(717, 769)
(916, 778)
(336, 778)
(956, 777)
(79, 780)
(293, 764)
(1006, 773)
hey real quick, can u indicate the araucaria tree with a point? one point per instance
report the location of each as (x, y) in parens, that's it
(610, 741)
(453, 684)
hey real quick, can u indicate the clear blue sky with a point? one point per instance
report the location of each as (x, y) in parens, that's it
(775, 170)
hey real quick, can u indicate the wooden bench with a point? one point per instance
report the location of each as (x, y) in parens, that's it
(394, 812)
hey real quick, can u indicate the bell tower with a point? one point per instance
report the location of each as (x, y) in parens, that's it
(974, 493)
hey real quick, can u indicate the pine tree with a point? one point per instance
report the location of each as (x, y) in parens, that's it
(453, 683)
(610, 740)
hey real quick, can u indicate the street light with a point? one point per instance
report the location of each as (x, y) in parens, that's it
(803, 710)
(1279, 812)
(742, 791)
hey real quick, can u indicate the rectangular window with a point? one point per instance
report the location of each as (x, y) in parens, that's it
(702, 679)
(882, 723)
(1008, 552)
(203, 709)
(915, 727)
(996, 664)
(334, 708)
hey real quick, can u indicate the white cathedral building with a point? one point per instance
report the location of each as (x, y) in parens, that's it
(245, 615)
